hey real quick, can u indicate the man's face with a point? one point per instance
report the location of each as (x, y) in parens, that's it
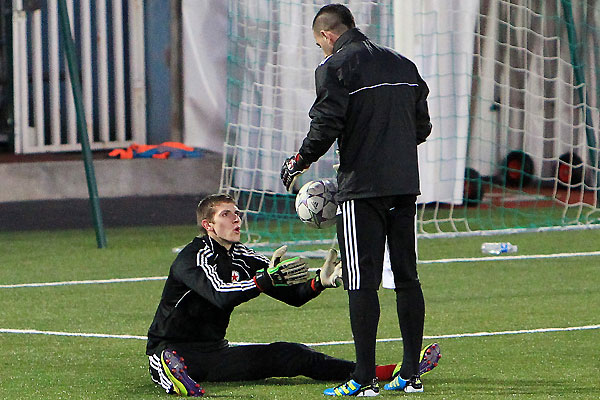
(325, 40)
(225, 226)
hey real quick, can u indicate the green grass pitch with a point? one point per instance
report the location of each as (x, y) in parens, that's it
(460, 298)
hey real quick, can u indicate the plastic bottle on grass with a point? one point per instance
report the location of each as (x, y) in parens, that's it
(498, 248)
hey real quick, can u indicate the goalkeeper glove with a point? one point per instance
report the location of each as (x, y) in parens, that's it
(330, 274)
(277, 256)
(281, 273)
(291, 169)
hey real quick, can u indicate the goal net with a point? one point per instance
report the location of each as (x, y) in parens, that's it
(514, 105)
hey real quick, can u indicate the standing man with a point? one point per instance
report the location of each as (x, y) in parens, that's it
(373, 101)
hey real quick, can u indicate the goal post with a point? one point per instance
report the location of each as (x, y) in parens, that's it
(514, 106)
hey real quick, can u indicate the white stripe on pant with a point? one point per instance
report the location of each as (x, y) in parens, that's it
(352, 266)
(158, 375)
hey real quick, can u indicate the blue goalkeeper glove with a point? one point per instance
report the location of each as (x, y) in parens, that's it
(291, 169)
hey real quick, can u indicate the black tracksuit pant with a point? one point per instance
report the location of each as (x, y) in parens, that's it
(260, 361)
(363, 228)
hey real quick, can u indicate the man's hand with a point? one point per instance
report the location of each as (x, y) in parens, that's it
(291, 169)
(330, 274)
(289, 272)
(282, 273)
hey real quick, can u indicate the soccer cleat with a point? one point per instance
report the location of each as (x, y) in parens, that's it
(429, 358)
(353, 388)
(175, 370)
(413, 385)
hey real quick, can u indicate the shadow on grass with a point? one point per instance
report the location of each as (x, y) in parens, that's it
(246, 389)
(509, 387)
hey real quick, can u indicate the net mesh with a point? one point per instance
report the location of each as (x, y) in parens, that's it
(514, 105)
(532, 144)
(271, 63)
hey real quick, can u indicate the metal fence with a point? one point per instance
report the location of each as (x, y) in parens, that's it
(110, 39)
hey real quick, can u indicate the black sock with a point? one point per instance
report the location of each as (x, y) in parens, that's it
(411, 316)
(364, 318)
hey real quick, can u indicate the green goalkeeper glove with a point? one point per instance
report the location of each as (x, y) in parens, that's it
(282, 273)
(330, 274)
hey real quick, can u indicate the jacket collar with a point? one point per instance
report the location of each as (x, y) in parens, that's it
(351, 35)
(216, 247)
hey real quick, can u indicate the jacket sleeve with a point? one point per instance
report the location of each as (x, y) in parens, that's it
(296, 295)
(199, 273)
(327, 114)
(423, 123)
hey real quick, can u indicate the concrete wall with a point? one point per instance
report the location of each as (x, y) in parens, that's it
(115, 178)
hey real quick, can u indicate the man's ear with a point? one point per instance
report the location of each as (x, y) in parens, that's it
(206, 225)
(325, 35)
(329, 36)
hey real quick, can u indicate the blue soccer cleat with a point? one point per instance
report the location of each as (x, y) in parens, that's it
(353, 388)
(413, 385)
(430, 356)
(175, 370)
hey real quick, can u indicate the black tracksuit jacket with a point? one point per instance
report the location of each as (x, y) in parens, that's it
(374, 102)
(205, 283)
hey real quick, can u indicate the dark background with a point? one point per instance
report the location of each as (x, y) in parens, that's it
(77, 214)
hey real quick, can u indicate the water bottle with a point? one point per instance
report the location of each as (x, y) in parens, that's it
(498, 248)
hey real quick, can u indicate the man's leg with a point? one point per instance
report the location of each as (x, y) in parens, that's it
(280, 359)
(409, 296)
(251, 362)
(361, 236)
(364, 318)
(411, 314)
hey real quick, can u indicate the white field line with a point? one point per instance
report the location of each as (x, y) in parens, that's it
(452, 336)
(507, 258)
(76, 334)
(87, 282)
(439, 261)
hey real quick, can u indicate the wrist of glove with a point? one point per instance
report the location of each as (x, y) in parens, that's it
(330, 274)
(316, 284)
(262, 280)
(291, 169)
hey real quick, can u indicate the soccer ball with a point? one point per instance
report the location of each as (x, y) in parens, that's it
(315, 203)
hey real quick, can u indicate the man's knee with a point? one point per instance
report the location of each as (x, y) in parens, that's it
(288, 347)
(407, 285)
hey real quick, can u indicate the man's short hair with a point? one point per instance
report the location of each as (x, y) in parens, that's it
(336, 18)
(206, 208)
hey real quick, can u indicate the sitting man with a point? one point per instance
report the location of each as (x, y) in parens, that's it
(212, 275)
